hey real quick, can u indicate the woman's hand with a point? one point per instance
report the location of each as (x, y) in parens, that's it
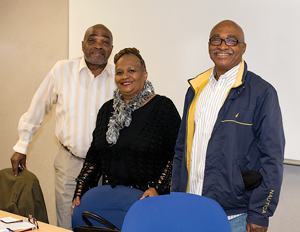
(151, 192)
(76, 202)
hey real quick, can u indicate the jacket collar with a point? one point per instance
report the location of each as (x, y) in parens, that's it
(201, 80)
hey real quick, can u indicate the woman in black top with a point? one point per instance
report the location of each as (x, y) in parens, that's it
(133, 142)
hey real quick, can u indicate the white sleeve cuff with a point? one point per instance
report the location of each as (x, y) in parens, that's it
(21, 147)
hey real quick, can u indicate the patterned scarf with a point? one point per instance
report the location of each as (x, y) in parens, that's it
(122, 111)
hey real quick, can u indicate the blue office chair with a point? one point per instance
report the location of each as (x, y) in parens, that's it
(176, 212)
(110, 203)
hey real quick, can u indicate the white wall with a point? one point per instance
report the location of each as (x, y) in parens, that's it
(172, 36)
(287, 214)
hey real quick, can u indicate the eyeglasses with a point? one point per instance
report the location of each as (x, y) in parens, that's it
(33, 221)
(229, 42)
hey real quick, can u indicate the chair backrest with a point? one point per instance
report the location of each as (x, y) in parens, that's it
(22, 195)
(176, 212)
(110, 203)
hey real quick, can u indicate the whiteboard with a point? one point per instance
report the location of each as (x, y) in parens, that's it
(172, 36)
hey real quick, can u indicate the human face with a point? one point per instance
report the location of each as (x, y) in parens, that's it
(97, 45)
(130, 76)
(226, 57)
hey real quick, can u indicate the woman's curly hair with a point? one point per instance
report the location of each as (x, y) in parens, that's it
(132, 51)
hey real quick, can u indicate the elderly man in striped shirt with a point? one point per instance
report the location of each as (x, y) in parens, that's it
(78, 87)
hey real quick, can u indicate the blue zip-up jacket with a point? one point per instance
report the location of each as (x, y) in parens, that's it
(248, 135)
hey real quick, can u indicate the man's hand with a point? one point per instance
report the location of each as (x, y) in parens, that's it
(16, 159)
(151, 192)
(255, 228)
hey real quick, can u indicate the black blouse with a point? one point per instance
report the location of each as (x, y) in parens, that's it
(143, 154)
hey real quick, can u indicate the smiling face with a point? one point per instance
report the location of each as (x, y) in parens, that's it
(130, 76)
(97, 45)
(226, 57)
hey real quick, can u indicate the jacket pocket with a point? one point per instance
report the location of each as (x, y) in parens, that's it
(238, 185)
(233, 197)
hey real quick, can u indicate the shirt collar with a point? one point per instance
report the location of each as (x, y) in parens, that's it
(83, 65)
(229, 76)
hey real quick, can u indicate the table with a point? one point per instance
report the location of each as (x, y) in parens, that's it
(43, 227)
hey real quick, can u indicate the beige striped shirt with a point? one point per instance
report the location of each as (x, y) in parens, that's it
(78, 96)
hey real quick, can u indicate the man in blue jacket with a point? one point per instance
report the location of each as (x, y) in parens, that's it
(230, 146)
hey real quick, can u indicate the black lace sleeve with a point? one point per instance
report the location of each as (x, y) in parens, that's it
(162, 186)
(87, 179)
